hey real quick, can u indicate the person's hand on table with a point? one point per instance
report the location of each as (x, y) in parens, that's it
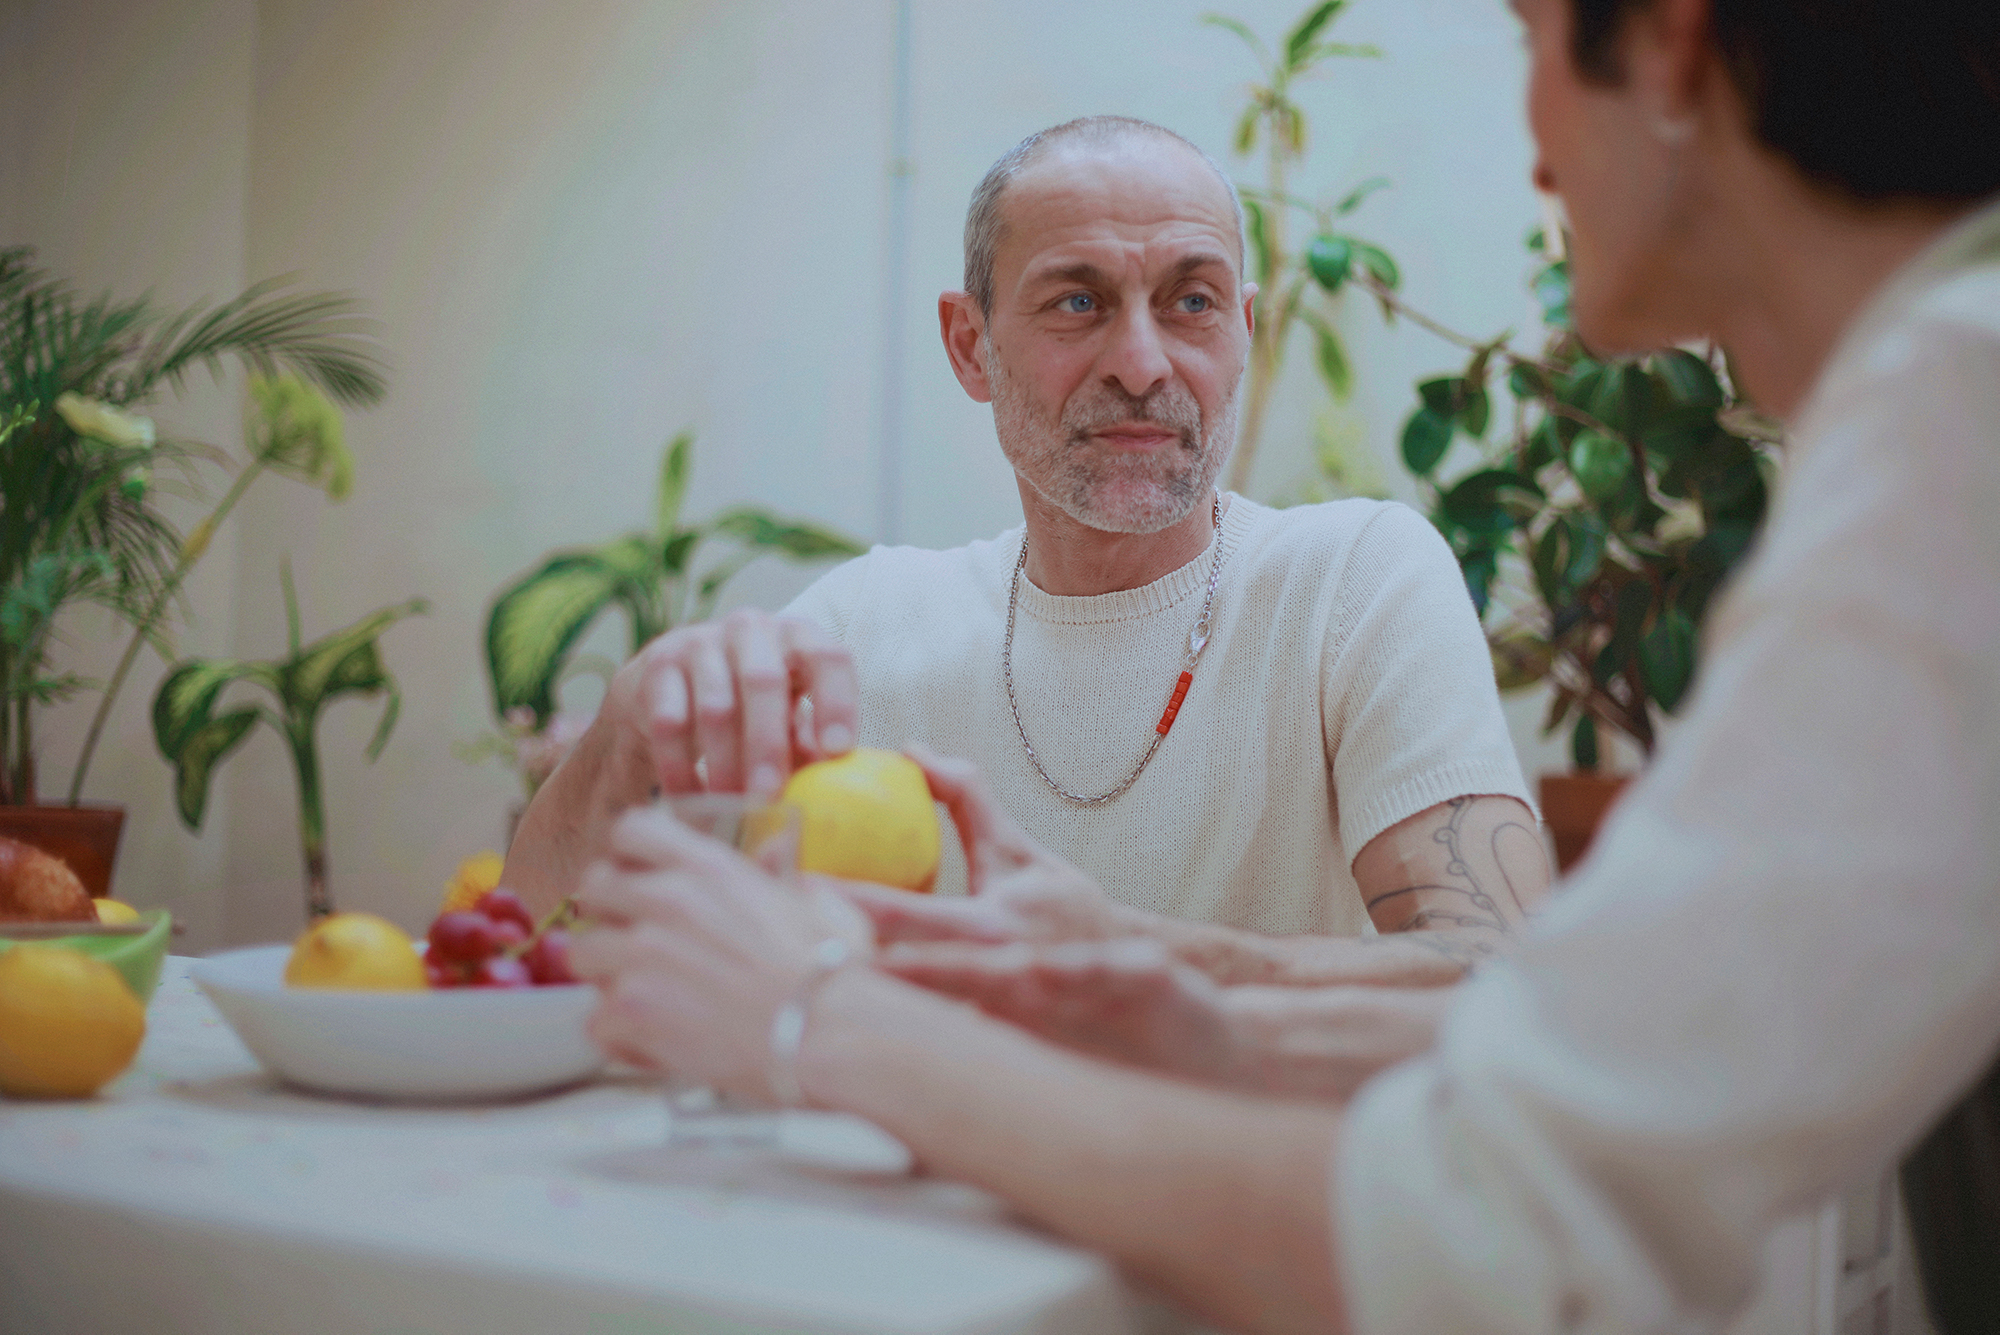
(695, 949)
(1018, 890)
(1127, 999)
(1131, 1001)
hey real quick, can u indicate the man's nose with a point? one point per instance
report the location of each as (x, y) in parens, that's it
(1135, 358)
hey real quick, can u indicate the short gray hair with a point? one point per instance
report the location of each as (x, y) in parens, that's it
(983, 221)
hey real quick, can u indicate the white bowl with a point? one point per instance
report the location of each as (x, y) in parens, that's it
(443, 1043)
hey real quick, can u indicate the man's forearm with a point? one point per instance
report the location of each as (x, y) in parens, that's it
(564, 825)
(1433, 958)
(1114, 1159)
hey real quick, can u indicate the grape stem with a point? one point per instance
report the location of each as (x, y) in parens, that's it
(562, 915)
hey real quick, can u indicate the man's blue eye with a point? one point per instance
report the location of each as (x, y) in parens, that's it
(1079, 303)
(1194, 303)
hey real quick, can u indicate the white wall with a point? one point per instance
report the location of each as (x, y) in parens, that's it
(584, 227)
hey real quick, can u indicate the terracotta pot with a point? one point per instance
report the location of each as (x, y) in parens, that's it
(1573, 806)
(86, 837)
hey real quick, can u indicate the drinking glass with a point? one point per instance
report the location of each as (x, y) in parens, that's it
(767, 833)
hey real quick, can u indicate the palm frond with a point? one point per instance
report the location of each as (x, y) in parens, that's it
(316, 334)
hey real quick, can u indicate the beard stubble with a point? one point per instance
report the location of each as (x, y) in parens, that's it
(1109, 490)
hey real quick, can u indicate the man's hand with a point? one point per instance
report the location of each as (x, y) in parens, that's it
(1019, 890)
(1127, 1000)
(718, 700)
(726, 693)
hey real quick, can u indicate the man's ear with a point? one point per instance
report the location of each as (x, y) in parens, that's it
(1250, 308)
(962, 326)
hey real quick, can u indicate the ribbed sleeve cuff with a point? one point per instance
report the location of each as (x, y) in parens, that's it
(1400, 801)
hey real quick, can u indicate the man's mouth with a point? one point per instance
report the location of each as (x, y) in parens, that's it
(1137, 436)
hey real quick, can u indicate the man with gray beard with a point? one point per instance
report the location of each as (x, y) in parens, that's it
(1281, 722)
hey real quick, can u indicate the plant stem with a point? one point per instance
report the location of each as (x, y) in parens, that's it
(312, 818)
(191, 551)
(21, 759)
(1267, 341)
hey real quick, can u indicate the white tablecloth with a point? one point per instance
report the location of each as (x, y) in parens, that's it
(196, 1195)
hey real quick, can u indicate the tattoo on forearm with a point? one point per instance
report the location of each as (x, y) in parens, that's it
(1469, 905)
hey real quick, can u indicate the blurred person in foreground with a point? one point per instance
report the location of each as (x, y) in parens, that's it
(1779, 965)
(1246, 725)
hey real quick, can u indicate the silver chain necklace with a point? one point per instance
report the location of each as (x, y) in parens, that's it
(1197, 641)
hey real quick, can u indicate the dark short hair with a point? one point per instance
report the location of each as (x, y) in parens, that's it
(1878, 99)
(984, 221)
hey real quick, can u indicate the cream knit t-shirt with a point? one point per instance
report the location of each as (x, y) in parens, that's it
(1345, 686)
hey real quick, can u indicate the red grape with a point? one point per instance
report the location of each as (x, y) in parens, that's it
(502, 971)
(505, 906)
(440, 974)
(463, 936)
(508, 934)
(548, 958)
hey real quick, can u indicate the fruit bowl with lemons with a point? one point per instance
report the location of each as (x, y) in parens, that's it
(484, 1008)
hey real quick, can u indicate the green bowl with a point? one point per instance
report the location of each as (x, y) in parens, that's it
(137, 958)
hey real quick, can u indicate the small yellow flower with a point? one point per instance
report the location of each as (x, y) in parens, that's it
(102, 422)
(474, 877)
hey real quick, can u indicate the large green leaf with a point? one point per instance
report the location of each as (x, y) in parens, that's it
(1602, 465)
(198, 755)
(294, 429)
(798, 541)
(536, 621)
(1478, 567)
(1299, 42)
(1689, 379)
(342, 663)
(1426, 436)
(634, 557)
(1330, 355)
(1246, 130)
(1552, 291)
(1263, 244)
(1329, 257)
(1352, 199)
(189, 733)
(1377, 262)
(1459, 399)
(667, 497)
(1583, 744)
(1332, 358)
(1492, 501)
(1241, 29)
(185, 702)
(1568, 557)
(1667, 655)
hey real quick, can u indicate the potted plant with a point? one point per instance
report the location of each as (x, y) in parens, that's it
(1595, 528)
(196, 738)
(652, 575)
(81, 473)
(1294, 286)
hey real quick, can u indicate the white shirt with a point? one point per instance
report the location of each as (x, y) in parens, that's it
(1782, 961)
(1344, 687)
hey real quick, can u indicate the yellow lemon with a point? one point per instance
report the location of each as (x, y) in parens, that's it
(113, 910)
(68, 1023)
(474, 877)
(355, 950)
(867, 816)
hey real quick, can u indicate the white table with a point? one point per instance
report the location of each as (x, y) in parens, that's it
(196, 1195)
